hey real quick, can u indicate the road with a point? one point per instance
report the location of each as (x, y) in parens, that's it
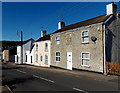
(22, 78)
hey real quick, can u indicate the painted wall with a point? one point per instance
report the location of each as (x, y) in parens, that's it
(26, 47)
(71, 42)
(42, 52)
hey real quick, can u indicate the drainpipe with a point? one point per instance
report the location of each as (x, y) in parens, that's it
(104, 39)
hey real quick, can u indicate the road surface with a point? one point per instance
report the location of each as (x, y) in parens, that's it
(22, 78)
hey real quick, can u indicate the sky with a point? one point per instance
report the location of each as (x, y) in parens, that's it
(32, 17)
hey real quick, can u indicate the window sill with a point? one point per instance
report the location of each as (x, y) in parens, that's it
(57, 61)
(85, 66)
(85, 42)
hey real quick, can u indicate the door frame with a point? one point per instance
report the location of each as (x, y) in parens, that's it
(69, 66)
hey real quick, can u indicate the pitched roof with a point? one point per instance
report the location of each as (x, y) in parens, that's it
(46, 37)
(84, 23)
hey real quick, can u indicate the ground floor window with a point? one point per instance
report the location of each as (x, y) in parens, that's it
(41, 58)
(17, 58)
(36, 57)
(26, 58)
(46, 59)
(85, 59)
(31, 59)
(57, 56)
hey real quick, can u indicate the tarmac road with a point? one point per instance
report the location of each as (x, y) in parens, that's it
(23, 78)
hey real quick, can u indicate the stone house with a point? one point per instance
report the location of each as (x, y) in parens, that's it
(87, 45)
(42, 51)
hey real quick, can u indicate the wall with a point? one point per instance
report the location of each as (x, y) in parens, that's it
(6, 55)
(113, 40)
(42, 52)
(71, 42)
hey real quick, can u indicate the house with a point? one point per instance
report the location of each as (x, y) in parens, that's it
(87, 45)
(42, 50)
(30, 55)
(9, 54)
(8, 50)
(21, 57)
(5, 55)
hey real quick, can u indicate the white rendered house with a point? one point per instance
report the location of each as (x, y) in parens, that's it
(21, 58)
(42, 50)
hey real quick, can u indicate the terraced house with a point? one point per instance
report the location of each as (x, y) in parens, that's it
(87, 45)
(42, 50)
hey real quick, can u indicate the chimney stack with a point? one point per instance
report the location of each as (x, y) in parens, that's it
(61, 25)
(43, 33)
(111, 8)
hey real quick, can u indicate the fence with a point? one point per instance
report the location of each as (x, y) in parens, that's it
(113, 68)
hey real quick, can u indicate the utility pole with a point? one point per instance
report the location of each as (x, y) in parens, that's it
(21, 47)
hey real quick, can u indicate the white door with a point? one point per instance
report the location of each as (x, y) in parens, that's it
(69, 60)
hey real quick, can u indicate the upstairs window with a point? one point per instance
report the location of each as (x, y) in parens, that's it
(46, 46)
(85, 59)
(57, 56)
(57, 40)
(36, 47)
(85, 38)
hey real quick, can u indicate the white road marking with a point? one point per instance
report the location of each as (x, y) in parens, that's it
(80, 90)
(44, 79)
(9, 89)
(21, 71)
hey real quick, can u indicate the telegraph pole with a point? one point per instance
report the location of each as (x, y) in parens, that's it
(21, 47)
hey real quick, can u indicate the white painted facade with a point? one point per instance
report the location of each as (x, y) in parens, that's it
(42, 55)
(26, 51)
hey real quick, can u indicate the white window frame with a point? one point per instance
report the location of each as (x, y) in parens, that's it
(57, 56)
(85, 36)
(46, 48)
(57, 40)
(46, 59)
(86, 59)
(36, 47)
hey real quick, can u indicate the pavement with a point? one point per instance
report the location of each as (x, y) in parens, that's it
(93, 78)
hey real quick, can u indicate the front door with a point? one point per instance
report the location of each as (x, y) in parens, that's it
(69, 60)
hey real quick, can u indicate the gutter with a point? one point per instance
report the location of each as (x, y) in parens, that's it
(104, 51)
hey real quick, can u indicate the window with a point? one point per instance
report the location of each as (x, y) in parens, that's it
(36, 47)
(46, 59)
(57, 56)
(31, 59)
(26, 58)
(85, 38)
(41, 58)
(36, 57)
(85, 59)
(46, 46)
(57, 40)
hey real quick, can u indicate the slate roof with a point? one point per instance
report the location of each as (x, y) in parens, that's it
(95, 20)
(46, 37)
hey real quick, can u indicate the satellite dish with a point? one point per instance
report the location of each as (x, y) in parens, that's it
(93, 38)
